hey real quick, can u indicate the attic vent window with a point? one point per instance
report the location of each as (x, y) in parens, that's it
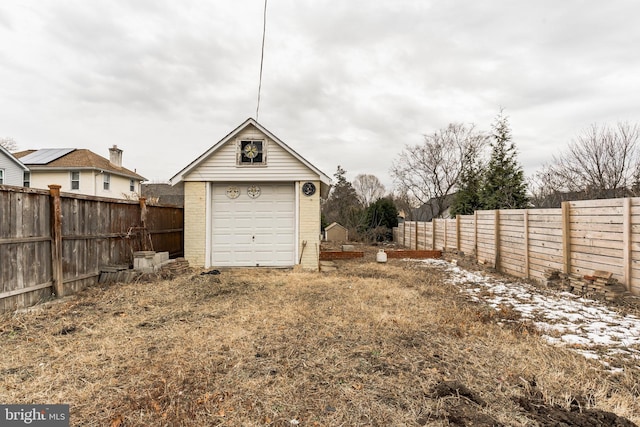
(251, 152)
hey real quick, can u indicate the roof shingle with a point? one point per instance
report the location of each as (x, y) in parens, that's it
(81, 158)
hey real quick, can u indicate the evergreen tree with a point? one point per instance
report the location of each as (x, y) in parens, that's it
(467, 197)
(503, 184)
(382, 213)
(382, 216)
(343, 205)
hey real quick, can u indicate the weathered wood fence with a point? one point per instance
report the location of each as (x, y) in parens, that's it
(55, 244)
(579, 238)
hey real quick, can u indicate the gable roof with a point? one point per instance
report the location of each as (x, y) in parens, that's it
(73, 159)
(13, 158)
(430, 210)
(324, 179)
(335, 224)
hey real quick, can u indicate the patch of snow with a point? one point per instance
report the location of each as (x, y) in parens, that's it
(563, 318)
(589, 354)
(573, 339)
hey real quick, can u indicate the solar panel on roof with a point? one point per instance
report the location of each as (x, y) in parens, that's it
(44, 156)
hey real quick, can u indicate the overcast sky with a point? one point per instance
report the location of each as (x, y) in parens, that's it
(345, 82)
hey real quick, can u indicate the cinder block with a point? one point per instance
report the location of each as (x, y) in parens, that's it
(144, 254)
(348, 248)
(142, 263)
(160, 257)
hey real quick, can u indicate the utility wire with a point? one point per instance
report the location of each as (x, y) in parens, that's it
(264, 32)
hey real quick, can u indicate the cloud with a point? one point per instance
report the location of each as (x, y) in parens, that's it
(355, 78)
(166, 59)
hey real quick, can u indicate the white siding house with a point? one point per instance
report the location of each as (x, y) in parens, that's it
(250, 200)
(82, 171)
(12, 170)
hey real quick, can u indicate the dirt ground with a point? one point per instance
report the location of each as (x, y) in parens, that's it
(370, 344)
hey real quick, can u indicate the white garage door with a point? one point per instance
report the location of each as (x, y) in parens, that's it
(253, 231)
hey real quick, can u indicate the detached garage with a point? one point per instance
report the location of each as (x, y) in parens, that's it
(251, 201)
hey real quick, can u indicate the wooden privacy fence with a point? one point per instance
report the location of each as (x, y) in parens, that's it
(55, 244)
(579, 238)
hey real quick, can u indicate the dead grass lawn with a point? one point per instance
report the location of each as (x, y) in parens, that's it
(372, 344)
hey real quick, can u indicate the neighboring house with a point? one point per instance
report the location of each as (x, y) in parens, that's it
(12, 170)
(81, 171)
(250, 200)
(335, 232)
(431, 210)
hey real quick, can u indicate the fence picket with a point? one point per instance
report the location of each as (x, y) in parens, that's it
(53, 243)
(578, 238)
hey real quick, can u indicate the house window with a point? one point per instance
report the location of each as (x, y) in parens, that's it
(75, 180)
(132, 185)
(1, 176)
(251, 152)
(26, 179)
(106, 181)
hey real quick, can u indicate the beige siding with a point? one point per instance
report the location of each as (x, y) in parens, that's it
(309, 215)
(91, 183)
(195, 215)
(221, 165)
(337, 234)
(281, 166)
(118, 189)
(42, 179)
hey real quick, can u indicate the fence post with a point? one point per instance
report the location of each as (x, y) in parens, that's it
(475, 234)
(417, 225)
(143, 211)
(444, 249)
(425, 235)
(56, 239)
(458, 233)
(566, 238)
(404, 233)
(433, 234)
(525, 223)
(626, 242)
(496, 235)
(144, 233)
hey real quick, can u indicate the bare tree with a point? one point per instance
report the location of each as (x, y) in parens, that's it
(8, 143)
(404, 203)
(602, 162)
(368, 188)
(545, 190)
(428, 172)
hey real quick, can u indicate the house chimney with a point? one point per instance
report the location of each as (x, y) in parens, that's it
(115, 156)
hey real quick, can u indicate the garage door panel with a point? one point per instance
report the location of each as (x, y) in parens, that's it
(225, 241)
(243, 223)
(264, 210)
(268, 246)
(280, 225)
(280, 239)
(226, 221)
(222, 258)
(241, 205)
(249, 232)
